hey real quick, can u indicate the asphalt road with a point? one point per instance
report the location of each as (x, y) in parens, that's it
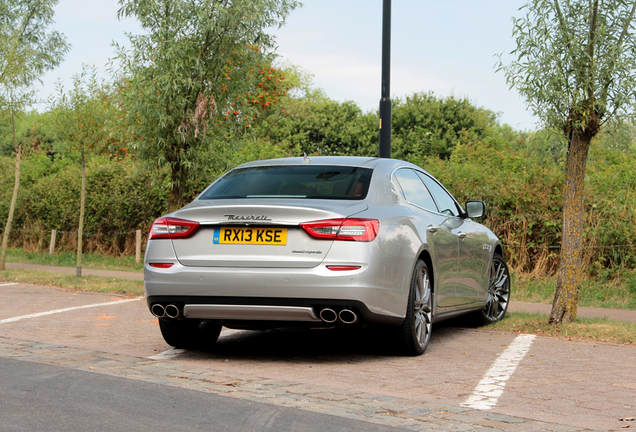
(38, 397)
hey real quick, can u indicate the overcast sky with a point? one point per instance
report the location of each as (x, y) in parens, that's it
(448, 47)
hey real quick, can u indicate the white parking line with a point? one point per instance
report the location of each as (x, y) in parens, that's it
(171, 353)
(7, 284)
(36, 315)
(492, 385)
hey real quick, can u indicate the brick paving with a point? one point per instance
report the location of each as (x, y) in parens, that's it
(560, 385)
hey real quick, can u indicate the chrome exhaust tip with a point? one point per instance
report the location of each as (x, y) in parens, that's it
(158, 310)
(328, 315)
(172, 311)
(348, 316)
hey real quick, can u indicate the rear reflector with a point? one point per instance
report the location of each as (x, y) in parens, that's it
(172, 228)
(364, 230)
(343, 268)
(161, 265)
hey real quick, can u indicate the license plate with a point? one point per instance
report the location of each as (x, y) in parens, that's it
(256, 236)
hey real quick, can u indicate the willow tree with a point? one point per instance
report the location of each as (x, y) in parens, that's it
(196, 62)
(27, 50)
(576, 67)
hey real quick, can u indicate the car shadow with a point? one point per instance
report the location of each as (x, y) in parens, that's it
(326, 345)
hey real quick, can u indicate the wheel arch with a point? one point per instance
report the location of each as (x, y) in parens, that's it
(426, 257)
(499, 249)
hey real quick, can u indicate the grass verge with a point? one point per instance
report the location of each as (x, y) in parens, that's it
(85, 283)
(594, 329)
(618, 292)
(69, 259)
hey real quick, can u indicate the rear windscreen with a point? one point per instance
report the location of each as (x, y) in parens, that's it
(292, 181)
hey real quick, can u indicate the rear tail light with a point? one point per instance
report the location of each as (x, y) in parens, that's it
(172, 228)
(364, 230)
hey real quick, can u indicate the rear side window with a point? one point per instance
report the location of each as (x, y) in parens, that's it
(292, 181)
(445, 202)
(414, 190)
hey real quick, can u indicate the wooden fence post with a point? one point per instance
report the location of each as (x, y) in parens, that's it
(52, 244)
(137, 246)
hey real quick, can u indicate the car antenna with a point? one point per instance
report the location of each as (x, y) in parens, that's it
(306, 159)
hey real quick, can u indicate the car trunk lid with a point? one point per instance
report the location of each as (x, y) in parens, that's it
(256, 233)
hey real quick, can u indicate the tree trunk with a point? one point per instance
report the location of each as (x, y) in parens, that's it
(178, 177)
(566, 297)
(80, 229)
(14, 197)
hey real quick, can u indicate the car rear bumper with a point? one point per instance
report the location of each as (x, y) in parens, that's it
(378, 293)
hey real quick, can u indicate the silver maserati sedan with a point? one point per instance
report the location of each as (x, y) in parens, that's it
(323, 242)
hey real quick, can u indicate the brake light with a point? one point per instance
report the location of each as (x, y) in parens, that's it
(364, 230)
(172, 228)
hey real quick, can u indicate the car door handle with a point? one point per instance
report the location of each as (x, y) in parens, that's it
(432, 229)
(462, 235)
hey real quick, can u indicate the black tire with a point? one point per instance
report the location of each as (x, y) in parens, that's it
(415, 330)
(189, 333)
(498, 292)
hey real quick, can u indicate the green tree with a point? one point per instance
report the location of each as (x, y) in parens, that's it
(80, 116)
(426, 125)
(576, 66)
(319, 125)
(27, 50)
(197, 61)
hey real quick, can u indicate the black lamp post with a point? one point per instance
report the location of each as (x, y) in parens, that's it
(385, 102)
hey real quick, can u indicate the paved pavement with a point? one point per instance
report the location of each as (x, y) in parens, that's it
(559, 385)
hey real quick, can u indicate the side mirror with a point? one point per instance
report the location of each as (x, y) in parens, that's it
(476, 209)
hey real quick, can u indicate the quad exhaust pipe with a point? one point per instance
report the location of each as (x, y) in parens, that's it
(170, 311)
(328, 315)
(158, 310)
(346, 316)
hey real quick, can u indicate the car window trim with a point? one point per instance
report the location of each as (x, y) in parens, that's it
(461, 210)
(399, 186)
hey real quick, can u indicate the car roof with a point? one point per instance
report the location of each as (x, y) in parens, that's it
(369, 162)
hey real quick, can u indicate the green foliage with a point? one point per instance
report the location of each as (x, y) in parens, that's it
(609, 290)
(119, 198)
(196, 62)
(522, 192)
(575, 66)
(612, 207)
(519, 175)
(522, 184)
(33, 132)
(28, 49)
(576, 61)
(83, 117)
(424, 125)
(326, 127)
